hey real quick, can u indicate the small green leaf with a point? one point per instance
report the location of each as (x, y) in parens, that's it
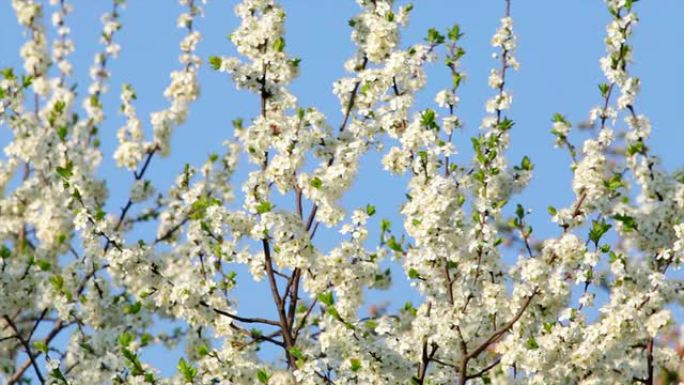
(428, 119)
(394, 245)
(636, 148)
(454, 33)
(505, 124)
(598, 229)
(526, 164)
(67, 171)
(409, 308)
(215, 62)
(413, 274)
(26, 81)
(296, 352)
(145, 339)
(370, 209)
(263, 376)
(355, 364)
(552, 210)
(628, 223)
(264, 207)
(125, 339)
(43, 265)
(40, 346)
(237, 123)
(202, 350)
(187, 370)
(57, 282)
(279, 44)
(327, 298)
(532, 343)
(132, 308)
(5, 252)
(316, 182)
(434, 37)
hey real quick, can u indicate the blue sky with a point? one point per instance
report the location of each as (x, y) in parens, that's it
(560, 44)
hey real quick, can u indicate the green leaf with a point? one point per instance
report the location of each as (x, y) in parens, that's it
(532, 343)
(559, 118)
(434, 37)
(134, 361)
(57, 373)
(132, 308)
(40, 346)
(385, 225)
(428, 119)
(202, 350)
(187, 370)
(264, 207)
(145, 339)
(100, 214)
(296, 352)
(413, 274)
(316, 182)
(598, 229)
(423, 156)
(57, 282)
(628, 222)
(526, 164)
(199, 207)
(67, 171)
(409, 308)
(327, 298)
(614, 183)
(263, 376)
(125, 339)
(506, 124)
(62, 133)
(613, 256)
(460, 200)
(237, 123)
(370, 209)
(552, 210)
(548, 326)
(8, 73)
(26, 81)
(43, 265)
(394, 245)
(520, 211)
(215, 62)
(454, 33)
(279, 44)
(636, 148)
(5, 252)
(355, 364)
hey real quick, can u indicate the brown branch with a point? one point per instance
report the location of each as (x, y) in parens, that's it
(239, 318)
(494, 337)
(484, 370)
(27, 347)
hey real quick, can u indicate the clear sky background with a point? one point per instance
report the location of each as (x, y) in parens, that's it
(560, 42)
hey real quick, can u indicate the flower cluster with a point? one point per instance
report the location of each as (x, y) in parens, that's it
(83, 290)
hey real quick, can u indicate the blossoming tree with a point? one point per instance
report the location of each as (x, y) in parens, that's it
(79, 298)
